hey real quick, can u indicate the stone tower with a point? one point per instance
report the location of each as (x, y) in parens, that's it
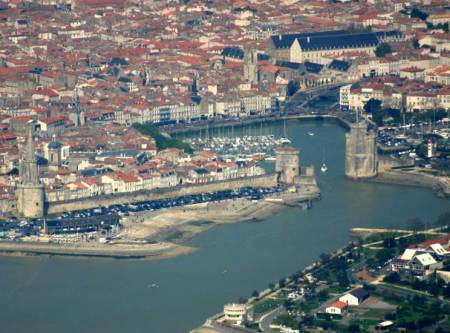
(29, 191)
(251, 65)
(287, 164)
(360, 151)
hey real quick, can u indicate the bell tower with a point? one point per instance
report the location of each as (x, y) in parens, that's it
(251, 65)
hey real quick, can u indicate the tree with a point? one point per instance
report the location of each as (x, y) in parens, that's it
(287, 304)
(392, 278)
(443, 220)
(383, 255)
(255, 293)
(416, 224)
(282, 282)
(446, 291)
(419, 14)
(373, 106)
(325, 258)
(389, 243)
(416, 44)
(242, 300)
(271, 286)
(353, 328)
(382, 50)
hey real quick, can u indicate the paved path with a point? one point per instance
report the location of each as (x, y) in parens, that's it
(267, 319)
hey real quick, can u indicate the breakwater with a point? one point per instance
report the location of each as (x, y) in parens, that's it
(405, 178)
(138, 251)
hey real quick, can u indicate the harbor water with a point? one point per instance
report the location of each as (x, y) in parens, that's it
(57, 294)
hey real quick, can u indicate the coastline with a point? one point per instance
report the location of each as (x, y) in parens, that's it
(440, 185)
(155, 235)
(257, 120)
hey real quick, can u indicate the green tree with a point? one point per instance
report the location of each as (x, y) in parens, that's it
(353, 328)
(392, 278)
(389, 243)
(416, 224)
(382, 50)
(416, 44)
(416, 12)
(421, 150)
(325, 258)
(255, 293)
(443, 220)
(373, 106)
(242, 300)
(162, 141)
(383, 255)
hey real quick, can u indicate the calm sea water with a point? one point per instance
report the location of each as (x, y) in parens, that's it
(54, 295)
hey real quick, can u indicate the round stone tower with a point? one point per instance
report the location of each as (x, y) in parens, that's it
(29, 191)
(360, 151)
(287, 164)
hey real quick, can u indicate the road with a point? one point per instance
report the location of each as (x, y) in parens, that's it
(404, 292)
(267, 319)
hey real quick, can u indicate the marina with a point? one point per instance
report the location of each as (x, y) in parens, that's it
(262, 146)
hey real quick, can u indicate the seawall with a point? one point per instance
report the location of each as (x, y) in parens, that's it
(416, 179)
(181, 190)
(192, 128)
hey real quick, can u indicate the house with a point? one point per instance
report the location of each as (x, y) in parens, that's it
(355, 297)
(53, 125)
(416, 262)
(424, 262)
(337, 308)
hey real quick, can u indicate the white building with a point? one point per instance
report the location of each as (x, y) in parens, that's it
(237, 314)
(337, 308)
(354, 297)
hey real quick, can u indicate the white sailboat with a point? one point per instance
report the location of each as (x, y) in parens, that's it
(324, 167)
(284, 140)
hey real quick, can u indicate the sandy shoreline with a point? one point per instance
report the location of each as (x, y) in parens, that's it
(162, 234)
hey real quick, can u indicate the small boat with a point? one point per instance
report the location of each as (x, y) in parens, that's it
(285, 141)
(324, 167)
(274, 200)
(270, 158)
(311, 133)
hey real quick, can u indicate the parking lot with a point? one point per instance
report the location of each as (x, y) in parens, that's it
(34, 227)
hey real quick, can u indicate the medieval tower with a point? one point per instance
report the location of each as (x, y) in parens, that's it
(251, 65)
(360, 151)
(287, 164)
(29, 191)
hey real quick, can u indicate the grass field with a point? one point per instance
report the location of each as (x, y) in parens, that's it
(267, 306)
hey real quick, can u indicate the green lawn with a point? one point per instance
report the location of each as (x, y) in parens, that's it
(381, 236)
(285, 320)
(267, 306)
